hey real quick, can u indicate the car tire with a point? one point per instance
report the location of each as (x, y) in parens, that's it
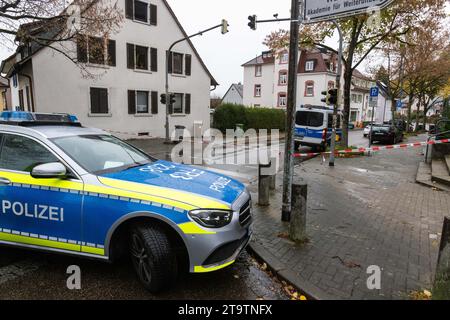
(153, 257)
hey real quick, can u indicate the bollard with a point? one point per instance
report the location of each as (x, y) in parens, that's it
(297, 226)
(273, 182)
(441, 289)
(263, 186)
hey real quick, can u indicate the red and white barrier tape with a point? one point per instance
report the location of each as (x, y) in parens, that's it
(361, 150)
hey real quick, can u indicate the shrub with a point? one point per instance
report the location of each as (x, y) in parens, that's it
(227, 116)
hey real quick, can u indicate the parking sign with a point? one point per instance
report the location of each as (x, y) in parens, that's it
(374, 92)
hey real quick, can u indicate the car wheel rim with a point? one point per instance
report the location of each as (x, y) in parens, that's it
(140, 259)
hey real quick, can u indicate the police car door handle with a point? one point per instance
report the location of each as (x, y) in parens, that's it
(4, 181)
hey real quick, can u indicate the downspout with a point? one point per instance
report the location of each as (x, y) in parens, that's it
(30, 81)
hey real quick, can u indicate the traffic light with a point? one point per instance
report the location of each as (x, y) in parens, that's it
(172, 99)
(163, 98)
(331, 97)
(225, 26)
(252, 23)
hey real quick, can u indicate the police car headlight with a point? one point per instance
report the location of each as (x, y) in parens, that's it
(212, 218)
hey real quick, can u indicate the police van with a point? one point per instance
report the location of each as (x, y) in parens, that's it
(69, 189)
(314, 127)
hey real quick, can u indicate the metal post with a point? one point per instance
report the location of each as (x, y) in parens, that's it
(167, 125)
(371, 124)
(338, 86)
(291, 108)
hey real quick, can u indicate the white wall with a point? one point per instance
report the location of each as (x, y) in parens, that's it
(60, 87)
(233, 96)
(267, 84)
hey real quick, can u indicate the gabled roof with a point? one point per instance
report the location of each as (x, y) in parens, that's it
(239, 87)
(38, 26)
(266, 57)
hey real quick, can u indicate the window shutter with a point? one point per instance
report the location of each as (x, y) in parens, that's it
(154, 102)
(187, 108)
(169, 66)
(95, 101)
(129, 8)
(130, 56)
(82, 53)
(153, 15)
(188, 70)
(112, 53)
(103, 100)
(131, 102)
(154, 59)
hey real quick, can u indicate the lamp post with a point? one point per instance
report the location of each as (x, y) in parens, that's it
(224, 25)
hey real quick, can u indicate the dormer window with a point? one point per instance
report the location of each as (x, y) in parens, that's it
(309, 65)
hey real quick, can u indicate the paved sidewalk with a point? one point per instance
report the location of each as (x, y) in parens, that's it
(365, 211)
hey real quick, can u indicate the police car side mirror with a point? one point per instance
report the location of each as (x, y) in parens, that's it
(49, 171)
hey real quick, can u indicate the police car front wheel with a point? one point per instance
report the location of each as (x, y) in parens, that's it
(154, 259)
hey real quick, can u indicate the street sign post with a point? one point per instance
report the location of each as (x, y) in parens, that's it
(373, 103)
(326, 10)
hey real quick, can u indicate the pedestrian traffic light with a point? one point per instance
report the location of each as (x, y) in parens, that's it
(163, 98)
(252, 23)
(225, 26)
(331, 97)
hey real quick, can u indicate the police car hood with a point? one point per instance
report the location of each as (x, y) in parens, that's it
(175, 181)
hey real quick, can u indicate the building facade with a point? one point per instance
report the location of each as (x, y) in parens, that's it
(266, 79)
(125, 97)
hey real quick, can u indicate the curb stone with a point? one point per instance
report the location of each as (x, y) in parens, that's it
(304, 286)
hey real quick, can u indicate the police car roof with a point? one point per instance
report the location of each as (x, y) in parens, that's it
(51, 132)
(45, 124)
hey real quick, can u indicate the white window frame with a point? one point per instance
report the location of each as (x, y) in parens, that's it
(309, 65)
(148, 102)
(284, 59)
(148, 58)
(258, 90)
(148, 12)
(258, 70)
(183, 106)
(282, 99)
(283, 78)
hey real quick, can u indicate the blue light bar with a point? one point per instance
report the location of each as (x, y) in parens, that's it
(23, 116)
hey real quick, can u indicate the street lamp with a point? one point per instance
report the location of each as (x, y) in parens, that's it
(169, 101)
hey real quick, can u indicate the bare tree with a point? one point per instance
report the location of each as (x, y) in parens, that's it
(57, 24)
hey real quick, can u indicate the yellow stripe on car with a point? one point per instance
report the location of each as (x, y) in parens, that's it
(38, 242)
(166, 193)
(193, 228)
(200, 269)
(90, 250)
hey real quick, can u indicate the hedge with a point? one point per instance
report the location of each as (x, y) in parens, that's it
(227, 116)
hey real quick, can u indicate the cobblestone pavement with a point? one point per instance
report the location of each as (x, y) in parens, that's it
(365, 211)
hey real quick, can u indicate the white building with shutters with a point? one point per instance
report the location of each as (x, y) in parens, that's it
(125, 96)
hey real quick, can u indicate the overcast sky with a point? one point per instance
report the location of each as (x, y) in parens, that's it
(224, 54)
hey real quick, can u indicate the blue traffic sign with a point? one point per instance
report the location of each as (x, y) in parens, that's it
(399, 104)
(374, 92)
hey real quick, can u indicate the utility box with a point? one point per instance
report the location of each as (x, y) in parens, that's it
(179, 133)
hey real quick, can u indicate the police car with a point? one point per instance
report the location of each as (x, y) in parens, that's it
(69, 189)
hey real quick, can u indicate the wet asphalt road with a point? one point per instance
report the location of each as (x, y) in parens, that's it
(31, 275)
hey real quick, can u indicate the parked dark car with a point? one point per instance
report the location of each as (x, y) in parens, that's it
(386, 134)
(400, 124)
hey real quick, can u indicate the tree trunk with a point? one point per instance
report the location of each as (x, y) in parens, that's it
(410, 103)
(393, 109)
(417, 117)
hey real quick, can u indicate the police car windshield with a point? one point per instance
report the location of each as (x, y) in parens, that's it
(100, 153)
